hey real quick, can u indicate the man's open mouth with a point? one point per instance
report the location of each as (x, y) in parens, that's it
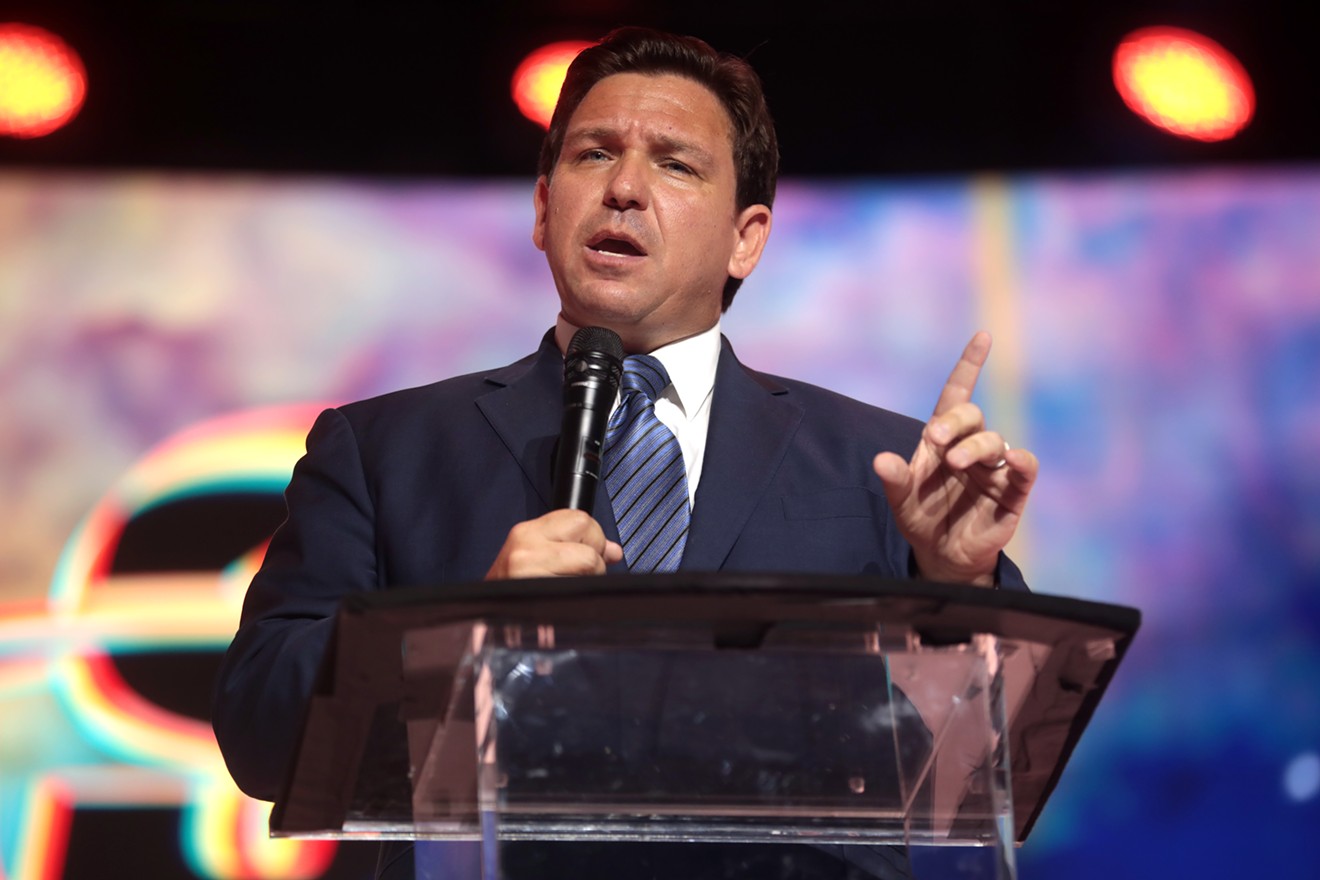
(619, 246)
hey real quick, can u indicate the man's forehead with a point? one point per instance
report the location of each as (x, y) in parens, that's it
(578, 124)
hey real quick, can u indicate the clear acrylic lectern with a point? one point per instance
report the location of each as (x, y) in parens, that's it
(736, 708)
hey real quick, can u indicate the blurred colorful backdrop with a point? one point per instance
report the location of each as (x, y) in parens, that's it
(165, 341)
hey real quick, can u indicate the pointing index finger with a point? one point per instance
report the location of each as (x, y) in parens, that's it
(962, 381)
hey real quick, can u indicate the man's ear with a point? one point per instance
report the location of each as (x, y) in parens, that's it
(540, 200)
(751, 230)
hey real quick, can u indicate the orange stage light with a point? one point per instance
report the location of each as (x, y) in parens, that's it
(1184, 83)
(537, 80)
(42, 81)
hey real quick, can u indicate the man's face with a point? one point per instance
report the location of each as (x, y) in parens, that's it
(638, 218)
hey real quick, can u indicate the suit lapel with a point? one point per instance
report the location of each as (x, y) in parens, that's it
(525, 408)
(752, 422)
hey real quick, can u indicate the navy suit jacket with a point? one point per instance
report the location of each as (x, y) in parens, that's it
(421, 487)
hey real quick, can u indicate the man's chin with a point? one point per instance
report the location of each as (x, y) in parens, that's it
(615, 309)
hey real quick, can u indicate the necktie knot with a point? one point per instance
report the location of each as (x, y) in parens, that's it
(644, 374)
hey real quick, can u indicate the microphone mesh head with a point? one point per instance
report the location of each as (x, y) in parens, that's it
(600, 339)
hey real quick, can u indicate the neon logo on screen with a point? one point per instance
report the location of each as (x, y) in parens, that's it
(123, 750)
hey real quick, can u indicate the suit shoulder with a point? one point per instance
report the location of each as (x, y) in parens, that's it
(445, 399)
(820, 403)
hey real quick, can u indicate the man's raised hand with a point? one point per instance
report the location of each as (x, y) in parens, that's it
(959, 500)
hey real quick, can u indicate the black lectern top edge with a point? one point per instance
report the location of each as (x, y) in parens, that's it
(1122, 620)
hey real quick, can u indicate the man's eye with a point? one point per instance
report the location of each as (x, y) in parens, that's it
(593, 155)
(677, 166)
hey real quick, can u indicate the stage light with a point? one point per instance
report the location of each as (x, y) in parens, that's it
(537, 80)
(1184, 83)
(42, 82)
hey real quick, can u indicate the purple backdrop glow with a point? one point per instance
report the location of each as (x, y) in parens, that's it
(1158, 347)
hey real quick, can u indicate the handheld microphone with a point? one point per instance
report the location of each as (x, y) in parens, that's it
(592, 370)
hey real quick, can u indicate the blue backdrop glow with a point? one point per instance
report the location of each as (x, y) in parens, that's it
(1157, 345)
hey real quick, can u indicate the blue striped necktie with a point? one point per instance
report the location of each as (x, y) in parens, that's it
(644, 472)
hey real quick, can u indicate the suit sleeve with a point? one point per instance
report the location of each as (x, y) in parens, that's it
(1008, 576)
(325, 549)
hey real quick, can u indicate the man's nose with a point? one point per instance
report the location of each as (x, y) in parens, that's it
(627, 184)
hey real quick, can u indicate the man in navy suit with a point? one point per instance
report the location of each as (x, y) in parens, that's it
(653, 203)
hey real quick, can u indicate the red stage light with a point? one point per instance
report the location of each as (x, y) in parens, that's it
(42, 81)
(1184, 83)
(537, 80)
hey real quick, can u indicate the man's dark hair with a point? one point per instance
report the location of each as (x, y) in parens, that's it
(729, 78)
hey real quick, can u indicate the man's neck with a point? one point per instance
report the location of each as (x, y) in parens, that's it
(565, 329)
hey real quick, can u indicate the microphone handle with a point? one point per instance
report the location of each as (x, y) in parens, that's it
(587, 404)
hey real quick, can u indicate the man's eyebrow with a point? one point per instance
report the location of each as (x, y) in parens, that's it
(604, 134)
(597, 133)
(682, 147)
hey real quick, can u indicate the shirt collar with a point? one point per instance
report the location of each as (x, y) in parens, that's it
(690, 362)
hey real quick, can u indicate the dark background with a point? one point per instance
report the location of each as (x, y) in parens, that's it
(411, 88)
